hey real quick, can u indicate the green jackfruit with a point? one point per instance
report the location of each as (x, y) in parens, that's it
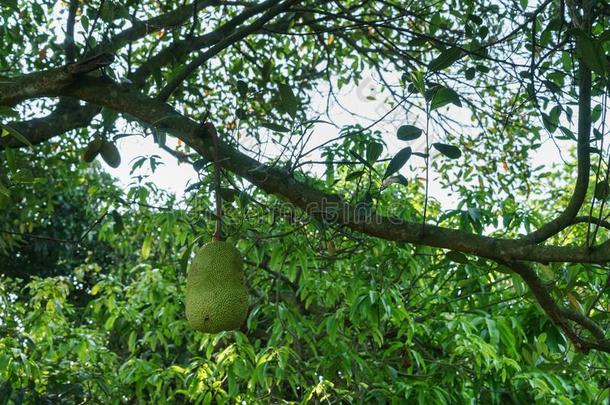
(110, 154)
(93, 148)
(216, 295)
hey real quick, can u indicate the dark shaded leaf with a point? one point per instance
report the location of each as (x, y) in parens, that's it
(444, 96)
(602, 190)
(373, 151)
(7, 130)
(118, 221)
(354, 175)
(457, 257)
(275, 127)
(408, 133)
(452, 152)
(362, 160)
(398, 161)
(398, 179)
(445, 59)
(289, 100)
(242, 88)
(92, 150)
(199, 164)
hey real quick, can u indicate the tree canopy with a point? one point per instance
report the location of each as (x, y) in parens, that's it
(363, 286)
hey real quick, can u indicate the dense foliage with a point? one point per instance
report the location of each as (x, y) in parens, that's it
(344, 308)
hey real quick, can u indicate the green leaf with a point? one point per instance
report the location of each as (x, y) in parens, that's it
(408, 133)
(445, 59)
(452, 152)
(596, 113)
(457, 257)
(354, 175)
(118, 222)
(549, 123)
(289, 100)
(362, 160)
(7, 130)
(7, 111)
(444, 96)
(275, 127)
(470, 73)
(4, 190)
(398, 179)
(602, 190)
(146, 247)
(398, 161)
(591, 52)
(184, 258)
(242, 88)
(373, 151)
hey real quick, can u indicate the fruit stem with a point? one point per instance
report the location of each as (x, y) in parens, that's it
(211, 129)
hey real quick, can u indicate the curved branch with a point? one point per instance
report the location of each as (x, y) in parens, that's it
(276, 181)
(558, 315)
(584, 161)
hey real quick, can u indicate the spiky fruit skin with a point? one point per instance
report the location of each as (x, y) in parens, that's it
(216, 294)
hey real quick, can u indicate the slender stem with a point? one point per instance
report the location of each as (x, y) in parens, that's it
(427, 159)
(211, 130)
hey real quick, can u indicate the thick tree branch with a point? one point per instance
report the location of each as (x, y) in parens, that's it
(275, 181)
(33, 85)
(67, 116)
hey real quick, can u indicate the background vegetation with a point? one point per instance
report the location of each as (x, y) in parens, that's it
(500, 294)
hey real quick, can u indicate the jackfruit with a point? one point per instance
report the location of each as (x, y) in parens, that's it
(216, 294)
(93, 148)
(110, 154)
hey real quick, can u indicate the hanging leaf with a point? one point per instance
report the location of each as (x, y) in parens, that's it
(398, 161)
(289, 100)
(445, 59)
(398, 179)
(452, 152)
(354, 175)
(602, 190)
(146, 247)
(229, 194)
(7, 130)
(242, 88)
(362, 160)
(266, 71)
(457, 257)
(444, 96)
(408, 133)
(549, 122)
(118, 222)
(275, 127)
(4, 190)
(373, 151)
(469, 73)
(199, 164)
(184, 258)
(591, 52)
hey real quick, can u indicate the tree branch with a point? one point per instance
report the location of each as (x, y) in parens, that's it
(584, 161)
(272, 11)
(276, 181)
